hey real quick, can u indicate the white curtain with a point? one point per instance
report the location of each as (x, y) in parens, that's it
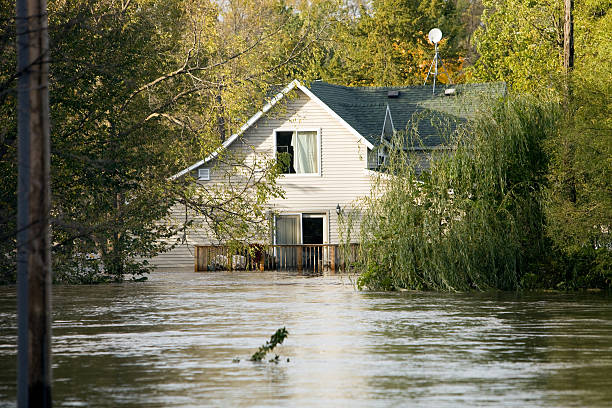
(288, 230)
(305, 157)
(287, 233)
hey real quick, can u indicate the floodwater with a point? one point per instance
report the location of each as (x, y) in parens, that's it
(171, 342)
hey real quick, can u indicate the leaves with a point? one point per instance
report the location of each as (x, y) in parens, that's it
(474, 221)
(386, 43)
(139, 91)
(277, 338)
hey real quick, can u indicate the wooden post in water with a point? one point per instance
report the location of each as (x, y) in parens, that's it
(332, 256)
(262, 259)
(299, 258)
(33, 240)
(206, 260)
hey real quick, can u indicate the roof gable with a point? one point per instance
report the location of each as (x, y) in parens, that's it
(294, 84)
(388, 127)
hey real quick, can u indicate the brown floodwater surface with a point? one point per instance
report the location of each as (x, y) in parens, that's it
(170, 342)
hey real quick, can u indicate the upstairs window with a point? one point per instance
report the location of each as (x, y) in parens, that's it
(204, 174)
(300, 151)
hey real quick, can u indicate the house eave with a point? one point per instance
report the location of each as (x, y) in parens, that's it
(242, 129)
(293, 84)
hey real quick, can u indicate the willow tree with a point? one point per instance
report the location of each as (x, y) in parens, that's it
(474, 220)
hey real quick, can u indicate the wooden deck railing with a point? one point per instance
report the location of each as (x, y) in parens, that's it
(315, 258)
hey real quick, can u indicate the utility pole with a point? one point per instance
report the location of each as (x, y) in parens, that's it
(568, 65)
(33, 256)
(568, 36)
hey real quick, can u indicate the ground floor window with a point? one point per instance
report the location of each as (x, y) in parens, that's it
(288, 230)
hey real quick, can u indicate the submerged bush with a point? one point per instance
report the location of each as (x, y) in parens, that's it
(475, 219)
(277, 338)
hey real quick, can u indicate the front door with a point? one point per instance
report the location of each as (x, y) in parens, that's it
(313, 226)
(288, 232)
(304, 229)
(312, 229)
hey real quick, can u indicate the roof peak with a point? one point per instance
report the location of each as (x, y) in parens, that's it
(392, 87)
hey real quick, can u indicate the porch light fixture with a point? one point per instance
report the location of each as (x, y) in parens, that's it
(338, 209)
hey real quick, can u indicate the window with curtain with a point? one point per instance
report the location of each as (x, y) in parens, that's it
(287, 233)
(300, 151)
(288, 230)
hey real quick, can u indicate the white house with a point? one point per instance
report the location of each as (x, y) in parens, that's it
(332, 134)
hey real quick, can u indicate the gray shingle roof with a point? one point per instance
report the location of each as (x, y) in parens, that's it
(364, 107)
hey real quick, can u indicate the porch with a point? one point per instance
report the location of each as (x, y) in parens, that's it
(315, 258)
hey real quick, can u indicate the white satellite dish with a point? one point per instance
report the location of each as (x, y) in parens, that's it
(435, 35)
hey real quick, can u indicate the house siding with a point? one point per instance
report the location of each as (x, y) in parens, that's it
(343, 178)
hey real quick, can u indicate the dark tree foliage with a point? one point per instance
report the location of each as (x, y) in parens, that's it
(139, 90)
(8, 143)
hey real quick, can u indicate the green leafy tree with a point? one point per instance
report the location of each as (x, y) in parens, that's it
(109, 155)
(140, 89)
(580, 210)
(386, 43)
(522, 43)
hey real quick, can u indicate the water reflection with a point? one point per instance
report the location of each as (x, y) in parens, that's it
(170, 343)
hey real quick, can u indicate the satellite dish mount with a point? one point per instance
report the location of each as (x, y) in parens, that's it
(435, 35)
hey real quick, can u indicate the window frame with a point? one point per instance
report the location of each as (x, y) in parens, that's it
(381, 157)
(296, 130)
(201, 178)
(301, 215)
